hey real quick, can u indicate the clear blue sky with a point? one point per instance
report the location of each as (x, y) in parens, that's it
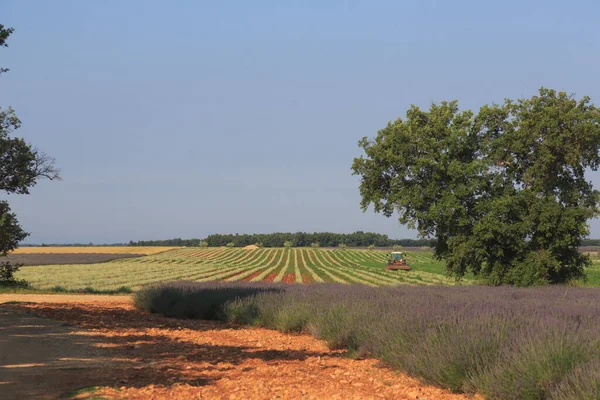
(185, 118)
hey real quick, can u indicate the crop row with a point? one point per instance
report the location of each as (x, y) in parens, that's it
(297, 265)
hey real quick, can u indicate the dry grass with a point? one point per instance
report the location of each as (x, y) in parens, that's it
(95, 249)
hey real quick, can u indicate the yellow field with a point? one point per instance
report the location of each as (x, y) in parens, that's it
(147, 250)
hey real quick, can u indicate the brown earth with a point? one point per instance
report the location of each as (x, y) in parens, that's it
(55, 344)
(252, 276)
(71, 258)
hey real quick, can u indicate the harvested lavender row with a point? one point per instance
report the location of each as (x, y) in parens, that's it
(505, 343)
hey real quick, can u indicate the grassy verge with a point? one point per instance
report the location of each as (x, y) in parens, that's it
(505, 343)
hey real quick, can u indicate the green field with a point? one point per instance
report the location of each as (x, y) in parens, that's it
(297, 265)
(593, 273)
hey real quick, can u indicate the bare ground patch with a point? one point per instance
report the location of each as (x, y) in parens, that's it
(57, 258)
(130, 354)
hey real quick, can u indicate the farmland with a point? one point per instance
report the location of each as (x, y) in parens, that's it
(52, 255)
(93, 250)
(297, 265)
(68, 258)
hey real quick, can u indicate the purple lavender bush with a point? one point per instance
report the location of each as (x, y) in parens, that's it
(582, 382)
(502, 342)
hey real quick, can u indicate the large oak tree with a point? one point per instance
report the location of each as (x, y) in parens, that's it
(503, 191)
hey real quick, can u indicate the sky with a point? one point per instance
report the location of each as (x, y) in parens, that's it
(186, 118)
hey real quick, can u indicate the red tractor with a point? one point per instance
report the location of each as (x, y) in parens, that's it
(397, 262)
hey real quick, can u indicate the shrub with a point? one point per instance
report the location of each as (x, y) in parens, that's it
(203, 244)
(457, 351)
(582, 383)
(342, 246)
(188, 300)
(288, 244)
(371, 247)
(397, 247)
(90, 290)
(7, 276)
(343, 326)
(230, 244)
(315, 244)
(532, 366)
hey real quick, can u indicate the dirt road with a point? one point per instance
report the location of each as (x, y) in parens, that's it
(41, 358)
(87, 341)
(66, 298)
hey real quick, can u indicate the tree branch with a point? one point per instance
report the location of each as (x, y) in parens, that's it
(44, 166)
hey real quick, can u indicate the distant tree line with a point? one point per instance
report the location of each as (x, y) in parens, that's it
(298, 239)
(177, 242)
(590, 242)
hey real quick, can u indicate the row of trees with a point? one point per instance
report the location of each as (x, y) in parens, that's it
(199, 242)
(167, 242)
(590, 242)
(298, 239)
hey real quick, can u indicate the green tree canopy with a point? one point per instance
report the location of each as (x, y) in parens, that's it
(502, 192)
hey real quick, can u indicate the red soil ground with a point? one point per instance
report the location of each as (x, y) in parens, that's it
(233, 275)
(270, 278)
(289, 278)
(252, 276)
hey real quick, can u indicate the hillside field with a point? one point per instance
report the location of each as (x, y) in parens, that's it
(297, 265)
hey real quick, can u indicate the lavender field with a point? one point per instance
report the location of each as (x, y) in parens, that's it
(501, 342)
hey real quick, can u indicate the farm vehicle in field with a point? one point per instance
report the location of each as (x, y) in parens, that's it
(397, 262)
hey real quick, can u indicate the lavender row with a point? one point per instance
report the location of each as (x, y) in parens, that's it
(504, 343)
